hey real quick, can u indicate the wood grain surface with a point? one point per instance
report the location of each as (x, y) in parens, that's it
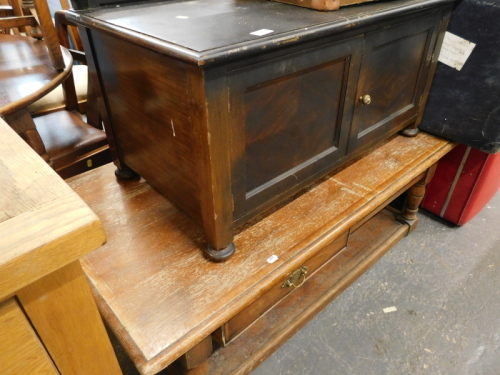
(17, 332)
(45, 228)
(61, 308)
(39, 216)
(158, 293)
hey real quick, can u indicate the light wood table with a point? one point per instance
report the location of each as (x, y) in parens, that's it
(164, 301)
(49, 322)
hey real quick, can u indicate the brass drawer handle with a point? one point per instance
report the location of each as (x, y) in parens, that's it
(365, 99)
(294, 278)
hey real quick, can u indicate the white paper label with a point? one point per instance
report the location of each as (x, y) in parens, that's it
(261, 32)
(273, 258)
(455, 51)
(390, 309)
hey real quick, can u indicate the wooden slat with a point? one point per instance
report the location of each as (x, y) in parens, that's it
(9, 22)
(49, 34)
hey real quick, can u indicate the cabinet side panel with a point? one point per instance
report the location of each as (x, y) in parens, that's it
(148, 101)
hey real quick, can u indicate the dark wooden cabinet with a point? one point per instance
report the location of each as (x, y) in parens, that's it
(226, 124)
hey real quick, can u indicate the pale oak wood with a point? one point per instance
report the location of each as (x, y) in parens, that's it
(62, 310)
(15, 331)
(153, 257)
(44, 225)
(45, 228)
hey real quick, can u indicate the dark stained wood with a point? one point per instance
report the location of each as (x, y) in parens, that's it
(226, 124)
(161, 298)
(212, 142)
(211, 40)
(153, 102)
(292, 126)
(395, 67)
(99, 114)
(6, 11)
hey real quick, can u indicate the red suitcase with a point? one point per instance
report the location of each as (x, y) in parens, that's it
(465, 180)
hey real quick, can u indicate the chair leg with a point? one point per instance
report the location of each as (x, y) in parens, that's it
(23, 124)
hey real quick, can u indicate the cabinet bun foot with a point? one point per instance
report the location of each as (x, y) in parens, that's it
(410, 132)
(220, 255)
(126, 174)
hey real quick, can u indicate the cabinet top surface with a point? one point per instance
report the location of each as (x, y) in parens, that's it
(211, 29)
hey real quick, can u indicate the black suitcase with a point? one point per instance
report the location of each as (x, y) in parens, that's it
(464, 106)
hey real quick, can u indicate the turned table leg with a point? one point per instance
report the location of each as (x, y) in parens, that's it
(413, 199)
(195, 361)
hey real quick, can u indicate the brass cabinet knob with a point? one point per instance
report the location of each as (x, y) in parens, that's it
(365, 99)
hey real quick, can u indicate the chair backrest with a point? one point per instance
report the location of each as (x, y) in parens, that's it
(73, 31)
(33, 14)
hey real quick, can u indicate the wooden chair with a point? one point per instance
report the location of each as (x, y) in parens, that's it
(72, 145)
(55, 100)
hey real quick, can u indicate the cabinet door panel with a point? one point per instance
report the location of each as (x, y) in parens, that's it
(290, 120)
(395, 65)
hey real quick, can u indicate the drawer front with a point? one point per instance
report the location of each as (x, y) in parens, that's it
(246, 317)
(290, 118)
(394, 70)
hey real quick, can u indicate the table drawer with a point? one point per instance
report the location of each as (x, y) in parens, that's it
(247, 316)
